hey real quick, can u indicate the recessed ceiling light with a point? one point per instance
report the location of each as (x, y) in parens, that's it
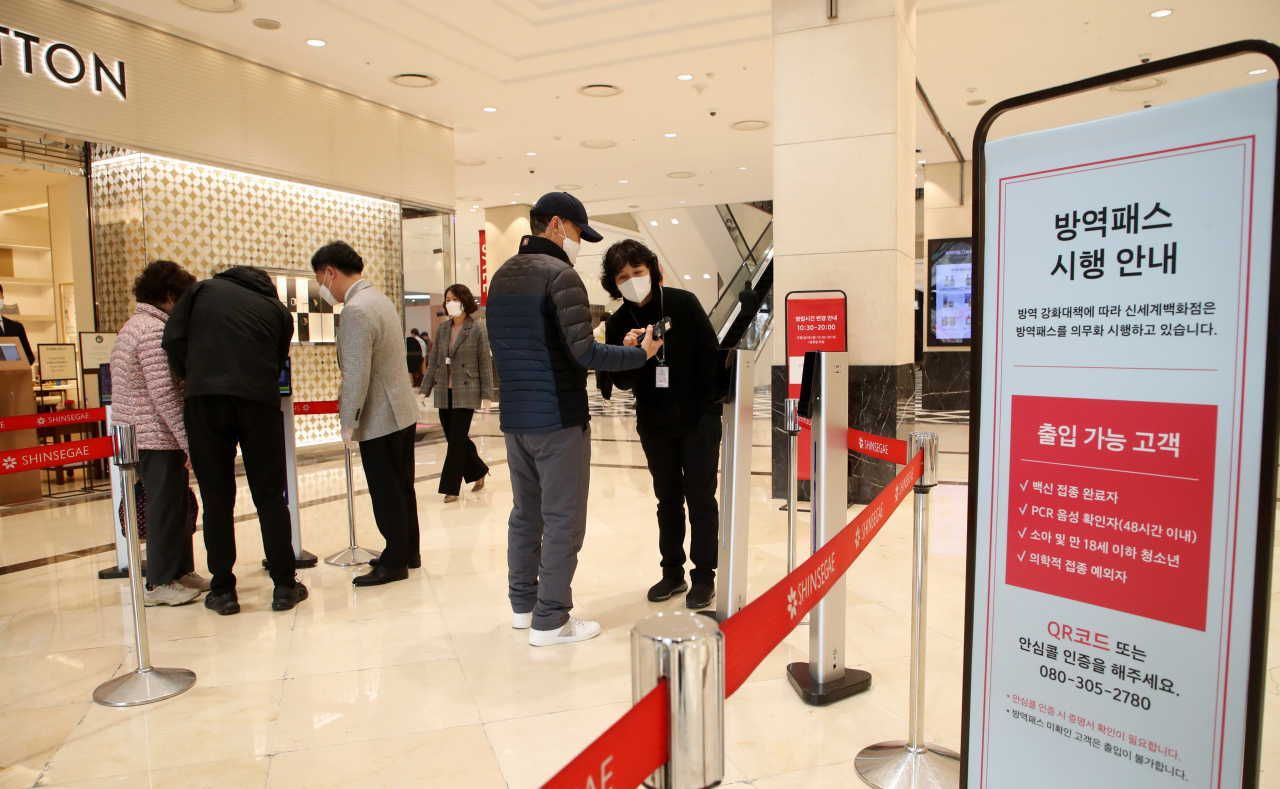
(685, 77)
(682, 202)
(921, 161)
(1132, 85)
(513, 202)
(749, 125)
(675, 221)
(624, 182)
(314, 42)
(1257, 71)
(567, 187)
(213, 6)
(266, 24)
(490, 109)
(598, 144)
(976, 102)
(1162, 13)
(706, 276)
(530, 153)
(516, 194)
(599, 90)
(653, 222)
(672, 135)
(680, 174)
(414, 80)
(473, 210)
(742, 168)
(686, 276)
(469, 162)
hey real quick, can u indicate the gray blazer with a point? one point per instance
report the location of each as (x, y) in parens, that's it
(377, 393)
(471, 363)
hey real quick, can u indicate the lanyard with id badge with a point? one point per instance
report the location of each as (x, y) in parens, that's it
(662, 373)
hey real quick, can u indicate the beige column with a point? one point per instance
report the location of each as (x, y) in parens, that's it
(504, 226)
(844, 190)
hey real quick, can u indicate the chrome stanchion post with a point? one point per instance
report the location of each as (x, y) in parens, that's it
(824, 678)
(791, 423)
(353, 554)
(687, 651)
(147, 683)
(915, 764)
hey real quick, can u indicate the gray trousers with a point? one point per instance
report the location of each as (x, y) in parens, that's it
(550, 476)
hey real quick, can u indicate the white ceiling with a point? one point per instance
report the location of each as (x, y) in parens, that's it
(527, 58)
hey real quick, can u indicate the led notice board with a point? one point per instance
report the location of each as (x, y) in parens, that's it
(950, 291)
(1123, 448)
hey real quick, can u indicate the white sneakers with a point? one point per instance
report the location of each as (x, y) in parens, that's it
(573, 630)
(169, 594)
(522, 621)
(194, 580)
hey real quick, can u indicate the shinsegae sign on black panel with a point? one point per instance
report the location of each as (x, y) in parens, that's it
(61, 62)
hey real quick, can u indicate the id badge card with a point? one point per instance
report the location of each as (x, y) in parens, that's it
(664, 376)
(448, 360)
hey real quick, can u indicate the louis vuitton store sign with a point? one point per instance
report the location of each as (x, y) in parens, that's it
(61, 61)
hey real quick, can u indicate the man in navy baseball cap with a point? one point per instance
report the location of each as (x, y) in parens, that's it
(566, 207)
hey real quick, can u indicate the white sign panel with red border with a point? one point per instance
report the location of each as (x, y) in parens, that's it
(1125, 280)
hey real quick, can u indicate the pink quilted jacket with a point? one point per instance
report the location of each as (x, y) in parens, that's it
(143, 392)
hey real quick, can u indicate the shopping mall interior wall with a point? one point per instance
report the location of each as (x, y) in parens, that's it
(207, 219)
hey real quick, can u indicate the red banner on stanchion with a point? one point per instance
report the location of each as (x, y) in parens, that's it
(13, 461)
(890, 449)
(316, 407)
(752, 633)
(627, 753)
(52, 419)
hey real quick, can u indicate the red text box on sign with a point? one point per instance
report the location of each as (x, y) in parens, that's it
(1111, 504)
(812, 325)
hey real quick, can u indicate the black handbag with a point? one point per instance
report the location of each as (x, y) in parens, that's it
(140, 498)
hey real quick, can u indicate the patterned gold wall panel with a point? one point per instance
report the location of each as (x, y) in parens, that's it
(207, 219)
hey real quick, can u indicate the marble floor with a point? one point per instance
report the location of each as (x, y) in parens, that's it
(424, 683)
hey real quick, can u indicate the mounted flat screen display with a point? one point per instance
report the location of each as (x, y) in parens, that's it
(950, 291)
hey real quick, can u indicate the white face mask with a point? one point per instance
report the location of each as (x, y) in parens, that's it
(570, 247)
(327, 295)
(454, 308)
(635, 289)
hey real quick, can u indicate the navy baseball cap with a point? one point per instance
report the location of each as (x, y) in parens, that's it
(566, 206)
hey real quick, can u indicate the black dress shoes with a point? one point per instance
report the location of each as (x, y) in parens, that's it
(415, 562)
(224, 604)
(381, 575)
(287, 597)
(700, 596)
(665, 589)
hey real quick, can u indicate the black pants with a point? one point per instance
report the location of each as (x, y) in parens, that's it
(604, 383)
(215, 424)
(462, 461)
(388, 471)
(164, 477)
(684, 469)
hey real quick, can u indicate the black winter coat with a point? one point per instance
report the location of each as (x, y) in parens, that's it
(230, 336)
(540, 333)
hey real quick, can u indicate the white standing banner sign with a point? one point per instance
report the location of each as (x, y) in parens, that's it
(1118, 439)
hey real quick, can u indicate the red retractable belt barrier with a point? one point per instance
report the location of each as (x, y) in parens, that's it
(636, 745)
(52, 419)
(890, 449)
(316, 407)
(627, 753)
(13, 461)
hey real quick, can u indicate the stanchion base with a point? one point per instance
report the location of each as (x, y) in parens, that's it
(144, 686)
(114, 572)
(303, 562)
(352, 557)
(892, 765)
(852, 683)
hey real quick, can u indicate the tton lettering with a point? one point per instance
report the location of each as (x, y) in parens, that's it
(63, 62)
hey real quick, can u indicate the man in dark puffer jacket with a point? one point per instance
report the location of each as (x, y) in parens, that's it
(539, 324)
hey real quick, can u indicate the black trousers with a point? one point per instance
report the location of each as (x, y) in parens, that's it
(215, 424)
(462, 461)
(604, 383)
(388, 471)
(684, 469)
(164, 477)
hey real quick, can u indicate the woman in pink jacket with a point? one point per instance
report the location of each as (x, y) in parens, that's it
(146, 395)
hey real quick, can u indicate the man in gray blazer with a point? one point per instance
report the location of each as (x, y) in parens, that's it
(377, 407)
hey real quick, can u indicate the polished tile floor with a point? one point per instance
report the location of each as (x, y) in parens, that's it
(423, 683)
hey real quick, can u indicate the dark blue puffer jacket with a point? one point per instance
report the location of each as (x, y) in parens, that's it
(540, 332)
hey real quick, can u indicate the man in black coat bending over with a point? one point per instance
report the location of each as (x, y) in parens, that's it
(540, 333)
